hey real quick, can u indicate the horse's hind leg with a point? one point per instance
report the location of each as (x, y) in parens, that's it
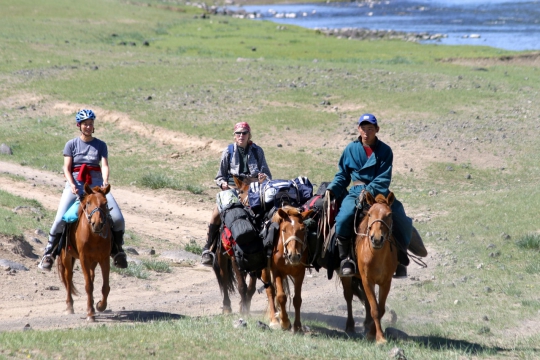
(346, 282)
(242, 289)
(105, 270)
(250, 290)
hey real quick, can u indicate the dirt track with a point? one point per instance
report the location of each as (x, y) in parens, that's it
(166, 220)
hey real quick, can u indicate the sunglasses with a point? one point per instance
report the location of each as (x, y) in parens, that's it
(241, 132)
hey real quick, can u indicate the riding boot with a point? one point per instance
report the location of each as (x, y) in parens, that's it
(207, 258)
(347, 266)
(47, 260)
(403, 259)
(117, 253)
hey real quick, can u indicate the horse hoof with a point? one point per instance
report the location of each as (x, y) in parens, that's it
(101, 308)
(69, 311)
(91, 319)
(227, 310)
(381, 341)
(275, 326)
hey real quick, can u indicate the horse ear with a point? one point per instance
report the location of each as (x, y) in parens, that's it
(369, 198)
(87, 189)
(107, 189)
(282, 214)
(307, 214)
(238, 182)
(390, 198)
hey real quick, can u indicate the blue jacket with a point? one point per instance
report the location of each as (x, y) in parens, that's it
(354, 165)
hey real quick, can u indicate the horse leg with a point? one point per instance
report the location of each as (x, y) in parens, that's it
(251, 290)
(297, 300)
(241, 287)
(384, 290)
(65, 269)
(271, 294)
(374, 310)
(224, 280)
(86, 268)
(346, 282)
(105, 270)
(282, 301)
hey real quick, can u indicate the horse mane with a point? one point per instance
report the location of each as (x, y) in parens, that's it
(290, 210)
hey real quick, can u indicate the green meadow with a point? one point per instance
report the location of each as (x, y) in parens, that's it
(467, 129)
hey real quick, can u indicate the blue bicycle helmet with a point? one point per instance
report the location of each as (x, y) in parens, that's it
(84, 114)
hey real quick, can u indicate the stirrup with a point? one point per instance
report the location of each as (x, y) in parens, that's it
(207, 258)
(348, 271)
(120, 260)
(46, 263)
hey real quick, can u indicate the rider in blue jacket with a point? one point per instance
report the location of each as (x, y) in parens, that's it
(367, 162)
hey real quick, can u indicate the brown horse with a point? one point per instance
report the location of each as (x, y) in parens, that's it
(376, 254)
(89, 240)
(229, 276)
(289, 260)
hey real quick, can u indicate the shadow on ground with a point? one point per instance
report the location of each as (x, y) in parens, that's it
(138, 316)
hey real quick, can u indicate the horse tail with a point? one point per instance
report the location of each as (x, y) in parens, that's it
(227, 283)
(61, 271)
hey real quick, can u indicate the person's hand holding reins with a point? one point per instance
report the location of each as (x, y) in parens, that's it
(74, 189)
(225, 186)
(262, 176)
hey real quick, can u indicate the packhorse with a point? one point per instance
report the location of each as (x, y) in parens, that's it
(376, 255)
(89, 240)
(289, 259)
(229, 274)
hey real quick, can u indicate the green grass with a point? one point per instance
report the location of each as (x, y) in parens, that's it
(18, 213)
(133, 270)
(157, 266)
(193, 247)
(211, 338)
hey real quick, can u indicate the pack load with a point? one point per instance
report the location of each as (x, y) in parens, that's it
(241, 239)
(275, 193)
(72, 214)
(226, 199)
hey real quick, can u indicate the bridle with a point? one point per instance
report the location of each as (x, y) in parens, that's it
(369, 230)
(285, 242)
(103, 215)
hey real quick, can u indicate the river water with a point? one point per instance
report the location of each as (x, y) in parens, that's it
(509, 25)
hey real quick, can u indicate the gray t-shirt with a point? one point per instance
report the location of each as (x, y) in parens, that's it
(86, 152)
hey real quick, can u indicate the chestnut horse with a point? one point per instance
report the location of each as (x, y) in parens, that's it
(376, 255)
(229, 276)
(89, 240)
(289, 260)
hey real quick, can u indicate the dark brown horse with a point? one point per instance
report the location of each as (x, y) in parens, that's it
(230, 278)
(376, 254)
(289, 260)
(89, 240)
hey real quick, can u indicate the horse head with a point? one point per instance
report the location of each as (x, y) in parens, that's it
(242, 188)
(94, 206)
(379, 219)
(293, 234)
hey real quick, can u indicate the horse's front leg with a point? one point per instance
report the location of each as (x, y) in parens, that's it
(384, 290)
(374, 329)
(348, 295)
(65, 269)
(282, 301)
(105, 270)
(242, 288)
(225, 280)
(297, 300)
(86, 268)
(271, 294)
(250, 290)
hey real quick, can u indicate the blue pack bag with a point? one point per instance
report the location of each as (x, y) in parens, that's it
(305, 188)
(71, 214)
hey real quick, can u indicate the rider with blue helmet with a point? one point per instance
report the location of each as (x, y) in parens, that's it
(82, 158)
